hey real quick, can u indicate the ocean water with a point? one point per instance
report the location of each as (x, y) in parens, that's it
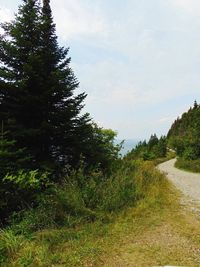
(128, 145)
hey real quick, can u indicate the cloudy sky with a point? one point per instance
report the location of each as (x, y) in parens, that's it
(138, 61)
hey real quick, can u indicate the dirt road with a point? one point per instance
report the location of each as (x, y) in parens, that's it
(187, 182)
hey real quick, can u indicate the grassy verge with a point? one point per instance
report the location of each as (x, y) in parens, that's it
(188, 165)
(170, 155)
(147, 232)
(74, 214)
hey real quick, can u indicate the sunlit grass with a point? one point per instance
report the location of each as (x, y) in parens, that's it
(152, 232)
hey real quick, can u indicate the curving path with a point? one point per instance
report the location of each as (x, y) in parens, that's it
(187, 182)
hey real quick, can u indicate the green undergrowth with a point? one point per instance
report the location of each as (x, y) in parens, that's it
(73, 225)
(169, 155)
(188, 165)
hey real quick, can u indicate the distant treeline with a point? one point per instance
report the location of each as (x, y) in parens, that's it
(184, 135)
(183, 138)
(149, 150)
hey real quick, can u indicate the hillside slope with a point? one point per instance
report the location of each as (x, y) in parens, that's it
(184, 134)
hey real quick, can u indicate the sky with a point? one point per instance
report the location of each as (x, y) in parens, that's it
(138, 61)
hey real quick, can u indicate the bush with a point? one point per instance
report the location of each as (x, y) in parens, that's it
(19, 190)
(85, 198)
(28, 180)
(188, 165)
(60, 205)
(82, 199)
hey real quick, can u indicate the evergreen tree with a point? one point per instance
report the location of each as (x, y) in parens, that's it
(37, 90)
(20, 84)
(153, 141)
(184, 134)
(195, 104)
(70, 130)
(11, 161)
(155, 148)
(160, 149)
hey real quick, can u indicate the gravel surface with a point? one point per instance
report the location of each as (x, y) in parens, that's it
(187, 182)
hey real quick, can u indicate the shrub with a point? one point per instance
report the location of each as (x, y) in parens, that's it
(188, 165)
(27, 180)
(82, 198)
(19, 190)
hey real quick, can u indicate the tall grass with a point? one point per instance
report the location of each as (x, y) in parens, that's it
(188, 165)
(9, 244)
(80, 199)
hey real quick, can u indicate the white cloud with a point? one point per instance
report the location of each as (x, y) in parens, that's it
(5, 15)
(76, 17)
(166, 119)
(189, 6)
(114, 83)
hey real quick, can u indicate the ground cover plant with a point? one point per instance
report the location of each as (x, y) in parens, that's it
(92, 206)
(188, 165)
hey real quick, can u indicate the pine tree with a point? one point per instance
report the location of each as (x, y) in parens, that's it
(37, 87)
(20, 85)
(11, 161)
(70, 130)
(195, 104)
(153, 141)
(184, 135)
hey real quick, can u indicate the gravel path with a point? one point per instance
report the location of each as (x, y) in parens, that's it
(188, 183)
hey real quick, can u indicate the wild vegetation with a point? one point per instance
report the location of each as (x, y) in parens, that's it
(188, 165)
(184, 138)
(122, 227)
(154, 149)
(63, 184)
(83, 206)
(45, 136)
(58, 168)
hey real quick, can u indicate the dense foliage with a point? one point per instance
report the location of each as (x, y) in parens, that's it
(81, 201)
(57, 167)
(38, 105)
(188, 165)
(153, 149)
(184, 135)
(44, 131)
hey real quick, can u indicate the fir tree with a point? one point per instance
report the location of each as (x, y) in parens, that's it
(11, 161)
(20, 84)
(184, 135)
(40, 109)
(70, 130)
(195, 104)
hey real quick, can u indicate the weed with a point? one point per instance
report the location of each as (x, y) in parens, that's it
(188, 165)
